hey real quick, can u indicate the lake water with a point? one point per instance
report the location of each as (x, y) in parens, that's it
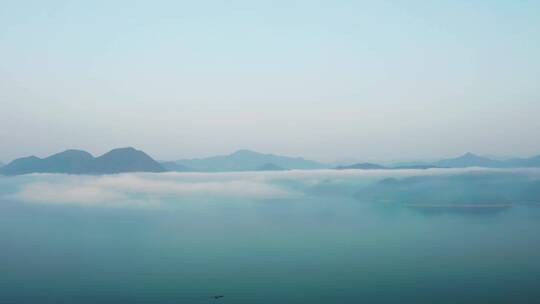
(253, 238)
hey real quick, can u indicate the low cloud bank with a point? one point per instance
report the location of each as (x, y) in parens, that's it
(148, 189)
(138, 190)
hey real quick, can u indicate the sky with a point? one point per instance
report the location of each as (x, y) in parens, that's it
(326, 80)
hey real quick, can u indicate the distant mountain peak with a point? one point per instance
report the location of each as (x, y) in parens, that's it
(124, 149)
(470, 155)
(247, 160)
(72, 153)
(469, 160)
(126, 159)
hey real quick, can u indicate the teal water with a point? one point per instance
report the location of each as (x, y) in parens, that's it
(300, 249)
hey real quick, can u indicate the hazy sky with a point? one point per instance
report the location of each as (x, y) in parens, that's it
(376, 80)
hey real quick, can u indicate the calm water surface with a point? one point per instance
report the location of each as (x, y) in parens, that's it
(307, 249)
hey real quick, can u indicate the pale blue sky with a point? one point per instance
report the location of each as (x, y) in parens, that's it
(377, 80)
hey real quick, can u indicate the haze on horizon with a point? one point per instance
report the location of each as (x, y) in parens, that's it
(322, 80)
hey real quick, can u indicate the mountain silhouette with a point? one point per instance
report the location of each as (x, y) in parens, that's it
(271, 167)
(126, 160)
(470, 160)
(463, 161)
(418, 167)
(246, 160)
(81, 162)
(364, 166)
(174, 167)
(131, 160)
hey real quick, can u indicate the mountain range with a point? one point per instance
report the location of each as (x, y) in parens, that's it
(463, 161)
(246, 160)
(131, 160)
(81, 162)
(473, 160)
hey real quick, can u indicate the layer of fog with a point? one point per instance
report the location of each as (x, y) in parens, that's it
(151, 190)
